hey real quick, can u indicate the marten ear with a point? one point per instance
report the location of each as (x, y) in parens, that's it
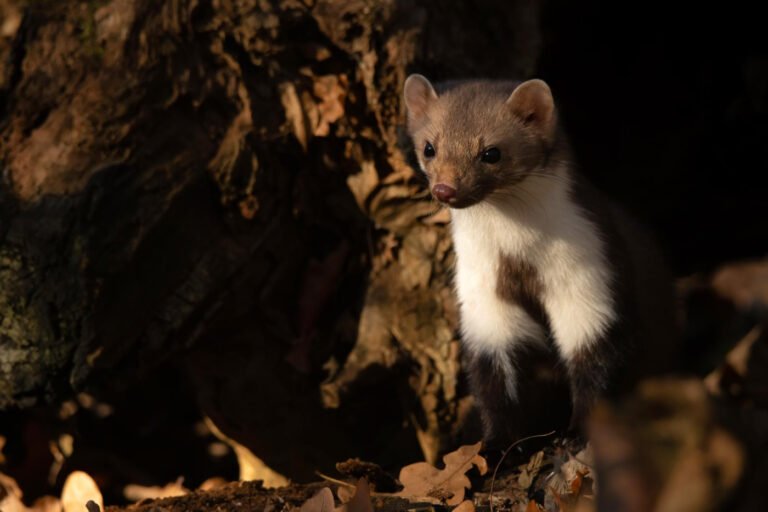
(533, 104)
(418, 93)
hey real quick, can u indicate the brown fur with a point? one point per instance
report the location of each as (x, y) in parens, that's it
(518, 283)
(460, 134)
(521, 120)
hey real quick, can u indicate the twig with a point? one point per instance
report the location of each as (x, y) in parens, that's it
(334, 480)
(504, 455)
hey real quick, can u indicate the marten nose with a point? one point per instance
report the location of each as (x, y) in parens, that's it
(444, 193)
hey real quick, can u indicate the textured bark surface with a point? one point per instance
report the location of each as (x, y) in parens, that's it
(227, 182)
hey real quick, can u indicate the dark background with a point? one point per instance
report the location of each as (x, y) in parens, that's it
(667, 107)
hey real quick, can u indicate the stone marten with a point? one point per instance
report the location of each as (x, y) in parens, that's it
(545, 263)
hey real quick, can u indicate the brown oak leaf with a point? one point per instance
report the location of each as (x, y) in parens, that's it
(425, 482)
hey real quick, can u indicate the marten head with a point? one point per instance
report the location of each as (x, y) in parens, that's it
(479, 139)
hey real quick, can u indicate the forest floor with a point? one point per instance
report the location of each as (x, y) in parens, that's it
(684, 443)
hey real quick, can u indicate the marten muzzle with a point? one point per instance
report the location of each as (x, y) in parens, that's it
(444, 193)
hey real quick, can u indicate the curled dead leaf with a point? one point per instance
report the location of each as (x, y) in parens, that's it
(322, 501)
(212, 483)
(46, 504)
(10, 495)
(531, 470)
(448, 485)
(251, 467)
(360, 501)
(134, 492)
(465, 506)
(79, 489)
(533, 507)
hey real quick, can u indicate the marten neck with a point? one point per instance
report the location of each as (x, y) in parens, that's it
(540, 203)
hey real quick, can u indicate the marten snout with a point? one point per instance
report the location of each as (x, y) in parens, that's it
(444, 193)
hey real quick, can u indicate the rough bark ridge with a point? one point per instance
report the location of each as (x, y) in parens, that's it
(227, 180)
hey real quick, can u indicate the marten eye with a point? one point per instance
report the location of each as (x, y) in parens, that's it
(429, 151)
(491, 155)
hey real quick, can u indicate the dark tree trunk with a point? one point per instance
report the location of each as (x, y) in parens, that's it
(226, 184)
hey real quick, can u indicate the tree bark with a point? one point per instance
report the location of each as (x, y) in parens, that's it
(227, 184)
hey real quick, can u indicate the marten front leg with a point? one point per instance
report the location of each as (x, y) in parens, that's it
(590, 370)
(493, 383)
(521, 391)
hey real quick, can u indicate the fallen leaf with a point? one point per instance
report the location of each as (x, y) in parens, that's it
(251, 467)
(322, 501)
(465, 506)
(533, 507)
(212, 483)
(79, 489)
(134, 492)
(744, 283)
(360, 501)
(10, 499)
(735, 365)
(561, 503)
(530, 471)
(11, 495)
(576, 484)
(568, 477)
(45, 504)
(344, 494)
(425, 482)
(376, 477)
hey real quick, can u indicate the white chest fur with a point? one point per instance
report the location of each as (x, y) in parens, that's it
(549, 232)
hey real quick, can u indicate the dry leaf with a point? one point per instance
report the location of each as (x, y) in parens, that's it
(12, 500)
(140, 492)
(212, 483)
(361, 501)
(251, 467)
(320, 502)
(465, 506)
(45, 504)
(559, 501)
(744, 283)
(576, 484)
(568, 478)
(533, 507)
(529, 471)
(424, 482)
(344, 494)
(79, 489)
(735, 364)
